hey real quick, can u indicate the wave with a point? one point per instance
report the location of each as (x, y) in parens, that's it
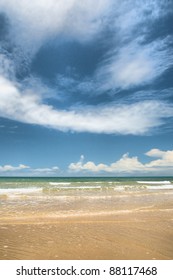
(144, 187)
(154, 182)
(86, 187)
(76, 187)
(19, 190)
(61, 183)
(161, 187)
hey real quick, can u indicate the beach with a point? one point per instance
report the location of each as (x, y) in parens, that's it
(87, 222)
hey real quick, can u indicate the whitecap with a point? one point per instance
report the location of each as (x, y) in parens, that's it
(161, 187)
(154, 182)
(60, 183)
(81, 187)
(19, 190)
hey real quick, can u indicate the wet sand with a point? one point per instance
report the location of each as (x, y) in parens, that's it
(120, 231)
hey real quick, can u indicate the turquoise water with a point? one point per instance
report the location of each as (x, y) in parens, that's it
(71, 197)
(25, 185)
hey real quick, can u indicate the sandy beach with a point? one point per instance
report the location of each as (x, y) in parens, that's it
(86, 122)
(126, 226)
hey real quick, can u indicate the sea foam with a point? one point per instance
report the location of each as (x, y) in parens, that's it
(154, 182)
(20, 190)
(160, 187)
(59, 184)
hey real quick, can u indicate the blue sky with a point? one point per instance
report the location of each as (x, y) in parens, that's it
(86, 90)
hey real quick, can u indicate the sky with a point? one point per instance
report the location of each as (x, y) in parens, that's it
(86, 89)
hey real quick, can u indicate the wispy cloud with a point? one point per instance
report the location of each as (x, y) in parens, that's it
(129, 165)
(129, 62)
(137, 118)
(135, 64)
(6, 65)
(132, 15)
(132, 59)
(22, 169)
(10, 168)
(71, 18)
(77, 20)
(47, 171)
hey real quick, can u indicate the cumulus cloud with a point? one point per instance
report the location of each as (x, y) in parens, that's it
(155, 153)
(129, 165)
(165, 158)
(137, 118)
(90, 166)
(125, 164)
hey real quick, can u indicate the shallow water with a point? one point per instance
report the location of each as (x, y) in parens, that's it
(86, 219)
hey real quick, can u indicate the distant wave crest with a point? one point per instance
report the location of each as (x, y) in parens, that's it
(154, 182)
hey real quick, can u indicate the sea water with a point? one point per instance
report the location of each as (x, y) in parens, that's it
(62, 197)
(14, 186)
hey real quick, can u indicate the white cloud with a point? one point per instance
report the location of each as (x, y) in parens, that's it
(133, 60)
(125, 164)
(34, 22)
(41, 19)
(7, 168)
(22, 169)
(27, 107)
(165, 158)
(130, 63)
(45, 171)
(6, 66)
(89, 166)
(133, 13)
(31, 24)
(130, 165)
(135, 64)
(155, 153)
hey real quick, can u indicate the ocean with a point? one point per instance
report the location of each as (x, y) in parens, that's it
(32, 185)
(75, 196)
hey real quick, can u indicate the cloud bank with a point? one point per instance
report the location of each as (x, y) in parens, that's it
(129, 165)
(126, 165)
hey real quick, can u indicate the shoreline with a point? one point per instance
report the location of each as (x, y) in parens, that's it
(88, 226)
